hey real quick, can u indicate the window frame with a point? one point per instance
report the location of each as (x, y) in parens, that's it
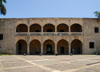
(1, 36)
(97, 29)
(91, 46)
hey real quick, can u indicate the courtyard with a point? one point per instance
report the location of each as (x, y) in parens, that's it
(50, 63)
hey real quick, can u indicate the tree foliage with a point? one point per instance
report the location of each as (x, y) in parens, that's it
(97, 14)
(2, 7)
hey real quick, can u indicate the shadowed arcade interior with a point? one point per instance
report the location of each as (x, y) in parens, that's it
(62, 47)
(21, 47)
(76, 28)
(35, 28)
(76, 47)
(49, 28)
(35, 47)
(62, 28)
(22, 28)
(48, 47)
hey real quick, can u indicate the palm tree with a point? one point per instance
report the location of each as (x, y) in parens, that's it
(97, 14)
(2, 7)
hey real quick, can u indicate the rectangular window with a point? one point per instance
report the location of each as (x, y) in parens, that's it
(91, 44)
(1, 36)
(96, 30)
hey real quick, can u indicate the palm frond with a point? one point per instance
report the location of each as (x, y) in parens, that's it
(97, 14)
(4, 1)
(3, 9)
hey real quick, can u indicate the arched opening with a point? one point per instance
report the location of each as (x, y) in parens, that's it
(62, 28)
(76, 46)
(35, 47)
(49, 28)
(62, 47)
(21, 47)
(35, 28)
(22, 28)
(76, 28)
(49, 47)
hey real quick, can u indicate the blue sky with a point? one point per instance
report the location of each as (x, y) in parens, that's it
(51, 8)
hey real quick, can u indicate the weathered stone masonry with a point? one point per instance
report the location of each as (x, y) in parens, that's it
(49, 35)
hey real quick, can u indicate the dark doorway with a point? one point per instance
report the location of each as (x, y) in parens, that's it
(61, 30)
(37, 31)
(62, 50)
(49, 49)
(19, 48)
(49, 30)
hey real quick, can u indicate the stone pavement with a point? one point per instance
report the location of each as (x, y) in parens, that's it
(50, 63)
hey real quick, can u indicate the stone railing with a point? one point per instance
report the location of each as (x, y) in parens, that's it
(62, 33)
(76, 33)
(21, 33)
(35, 33)
(47, 33)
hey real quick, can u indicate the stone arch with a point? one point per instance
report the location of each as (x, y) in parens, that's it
(21, 39)
(76, 45)
(45, 23)
(35, 27)
(62, 27)
(21, 47)
(21, 23)
(35, 39)
(62, 39)
(48, 28)
(76, 27)
(62, 46)
(77, 39)
(49, 39)
(22, 28)
(35, 47)
(48, 47)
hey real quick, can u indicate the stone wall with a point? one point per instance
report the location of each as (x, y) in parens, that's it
(7, 29)
(90, 35)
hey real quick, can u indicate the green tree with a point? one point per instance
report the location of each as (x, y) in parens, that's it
(2, 7)
(97, 14)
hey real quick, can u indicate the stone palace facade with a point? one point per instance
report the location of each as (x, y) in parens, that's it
(49, 35)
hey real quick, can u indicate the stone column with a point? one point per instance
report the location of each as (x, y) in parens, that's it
(82, 49)
(42, 30)
(28, 50)
(15, 49)
(55, 48)
(28, 30)
(69, 48)
(69, 30)
(55, 29)
(42, 48)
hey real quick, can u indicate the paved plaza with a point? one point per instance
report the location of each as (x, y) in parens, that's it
(50, 63)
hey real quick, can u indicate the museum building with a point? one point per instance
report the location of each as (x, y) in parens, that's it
(49, 35)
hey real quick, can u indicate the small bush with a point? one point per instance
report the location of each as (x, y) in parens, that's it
(6, 54)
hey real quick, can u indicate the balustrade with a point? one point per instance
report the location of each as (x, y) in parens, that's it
(47, 33)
